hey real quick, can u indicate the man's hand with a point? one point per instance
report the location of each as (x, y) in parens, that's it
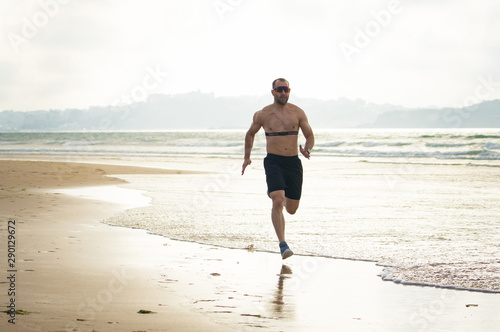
(245, 164)
(304, 152)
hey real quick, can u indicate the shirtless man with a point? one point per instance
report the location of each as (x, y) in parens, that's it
(281, 122)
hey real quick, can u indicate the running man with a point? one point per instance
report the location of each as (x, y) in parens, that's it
(281, 122)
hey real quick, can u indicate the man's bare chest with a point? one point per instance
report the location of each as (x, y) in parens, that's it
(281, 122)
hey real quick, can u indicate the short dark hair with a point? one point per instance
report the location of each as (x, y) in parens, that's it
(281, 80)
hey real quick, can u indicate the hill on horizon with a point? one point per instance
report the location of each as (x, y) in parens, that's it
(197, 110)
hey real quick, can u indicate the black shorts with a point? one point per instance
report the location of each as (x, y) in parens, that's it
(284, 173)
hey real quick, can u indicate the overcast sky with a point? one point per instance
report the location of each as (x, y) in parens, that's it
(58, 54)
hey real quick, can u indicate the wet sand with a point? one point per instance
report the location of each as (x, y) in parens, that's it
(75, 273)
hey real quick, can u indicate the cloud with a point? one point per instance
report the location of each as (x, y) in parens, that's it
(91, 52)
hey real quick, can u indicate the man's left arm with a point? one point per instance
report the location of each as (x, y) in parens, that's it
(308, 134)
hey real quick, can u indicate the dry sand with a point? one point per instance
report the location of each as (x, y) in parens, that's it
(75, 273)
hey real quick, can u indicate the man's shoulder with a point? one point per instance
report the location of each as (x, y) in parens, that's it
(295, 110)
(267, 108)
(258, 117)
(264, 112)
(294, 107)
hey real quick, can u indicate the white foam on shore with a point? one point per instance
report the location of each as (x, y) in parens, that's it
(130, 198)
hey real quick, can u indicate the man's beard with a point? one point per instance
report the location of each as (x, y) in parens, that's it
(282, 102)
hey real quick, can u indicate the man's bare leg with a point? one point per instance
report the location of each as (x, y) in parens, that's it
(277, 216)
(278, 219)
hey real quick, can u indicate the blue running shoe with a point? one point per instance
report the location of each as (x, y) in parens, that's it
(285, 250)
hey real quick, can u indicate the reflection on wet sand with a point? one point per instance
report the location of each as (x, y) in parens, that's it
(278, 300)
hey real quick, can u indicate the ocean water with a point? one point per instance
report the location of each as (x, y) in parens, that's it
(423, 204)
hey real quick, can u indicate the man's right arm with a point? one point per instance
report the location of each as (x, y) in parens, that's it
(249, 138)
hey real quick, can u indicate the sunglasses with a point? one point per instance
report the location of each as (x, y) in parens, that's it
(282, 89)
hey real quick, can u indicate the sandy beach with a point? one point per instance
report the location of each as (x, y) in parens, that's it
(75, 273)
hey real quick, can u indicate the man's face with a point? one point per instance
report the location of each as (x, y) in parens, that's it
(281, 93)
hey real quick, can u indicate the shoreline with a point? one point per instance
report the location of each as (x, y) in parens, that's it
(381, 275)
(79, 273)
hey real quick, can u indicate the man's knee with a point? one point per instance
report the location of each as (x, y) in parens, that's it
(278, 201)
(291, 206)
